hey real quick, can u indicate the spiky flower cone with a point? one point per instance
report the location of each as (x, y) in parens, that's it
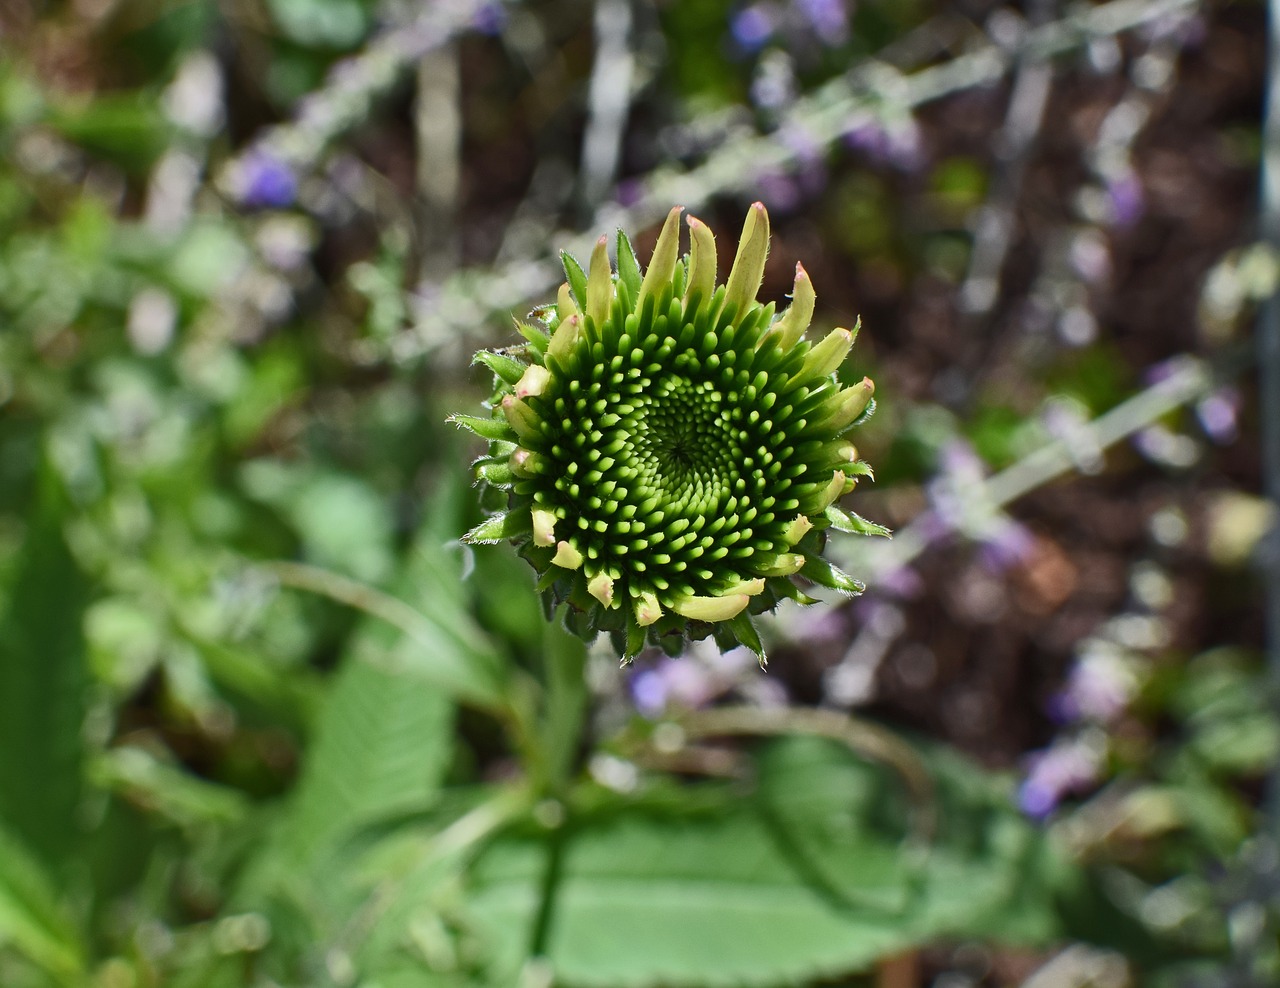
(670, 453)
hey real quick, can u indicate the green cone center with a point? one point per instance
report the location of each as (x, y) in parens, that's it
(685, 443)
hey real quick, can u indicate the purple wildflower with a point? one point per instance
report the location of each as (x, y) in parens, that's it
(1125, 199)
(752, 27)
(1005, 545)
(1099, 688)
(1217, 413)
(828, 18)
(490, 19)
(898, 145)
(1068, 766)
(266, 182)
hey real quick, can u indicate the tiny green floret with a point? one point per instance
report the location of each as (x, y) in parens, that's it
(669, 453)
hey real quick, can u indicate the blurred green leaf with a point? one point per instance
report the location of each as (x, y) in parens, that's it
(32, 920)
(337, 24)
(808, 880)
(42, 684)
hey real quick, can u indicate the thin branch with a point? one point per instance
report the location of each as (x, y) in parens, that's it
(465, 303)
(862, 737)
(1268, 348)
(1189, 379)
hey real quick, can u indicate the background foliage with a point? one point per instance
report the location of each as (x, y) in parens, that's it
(263, 721)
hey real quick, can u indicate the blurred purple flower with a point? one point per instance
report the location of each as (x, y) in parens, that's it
(959, 468)
(1090, 256)
(490, 18)
(828, 18)
(1161, 371)
(691, 681)
(898, 146)
(752, 27)
(1099, 688)
(1218, 413)
(779, 190)
(1066, 767)
(1125, 199)
(1005, 545)
(629, 191)
(902, 582)
(266, 182)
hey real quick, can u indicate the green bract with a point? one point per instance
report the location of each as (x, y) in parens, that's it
(671, 453)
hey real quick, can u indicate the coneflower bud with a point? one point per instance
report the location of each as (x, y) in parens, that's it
(671, 452)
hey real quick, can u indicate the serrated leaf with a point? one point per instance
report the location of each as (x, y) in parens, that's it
(577, 278)
(507, 368)
(828, 575)
(745, 631)
(848, 521)
(500, 527)
(42, 684)
(490, 428)
(628, 267)
(807, 881)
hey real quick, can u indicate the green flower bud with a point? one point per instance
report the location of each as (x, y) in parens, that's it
(671, 452)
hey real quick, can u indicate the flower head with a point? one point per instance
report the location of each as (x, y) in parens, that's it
(669, 451)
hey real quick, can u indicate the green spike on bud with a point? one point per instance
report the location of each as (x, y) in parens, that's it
(611, 455)
(647, 609)
(565, 305)
(748, 264)
(601, 588)
(565, 338)
(533, 381)
(666, 254)
(522, 418)
(599, 283)
(841, 410)
(786, 564)
(711, 609)
(702, 261)
(823, 359)
(567, 557)
(544, 527)
(797, 530)
(528, 464)
(796, 319)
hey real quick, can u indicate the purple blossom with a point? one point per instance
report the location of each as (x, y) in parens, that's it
(1005, 545)
(898, 145)
(1218, 412)
(1125, 199)
(779, 190)
(490, 19)
(828, 18)
(265, 181)
(752, 27)
(691, 681)
(902, 582)
(1099, 688)
(1066, 767)
(629, 191)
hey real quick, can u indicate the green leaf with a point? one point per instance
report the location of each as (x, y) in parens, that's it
(812, 879)
(507, 368)
(384, 737)
(42, 685)
(745, 630)
(32, 921)
(576, 277)
(826, 574)
(499, 527)
(628, 267)
(847, 521)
